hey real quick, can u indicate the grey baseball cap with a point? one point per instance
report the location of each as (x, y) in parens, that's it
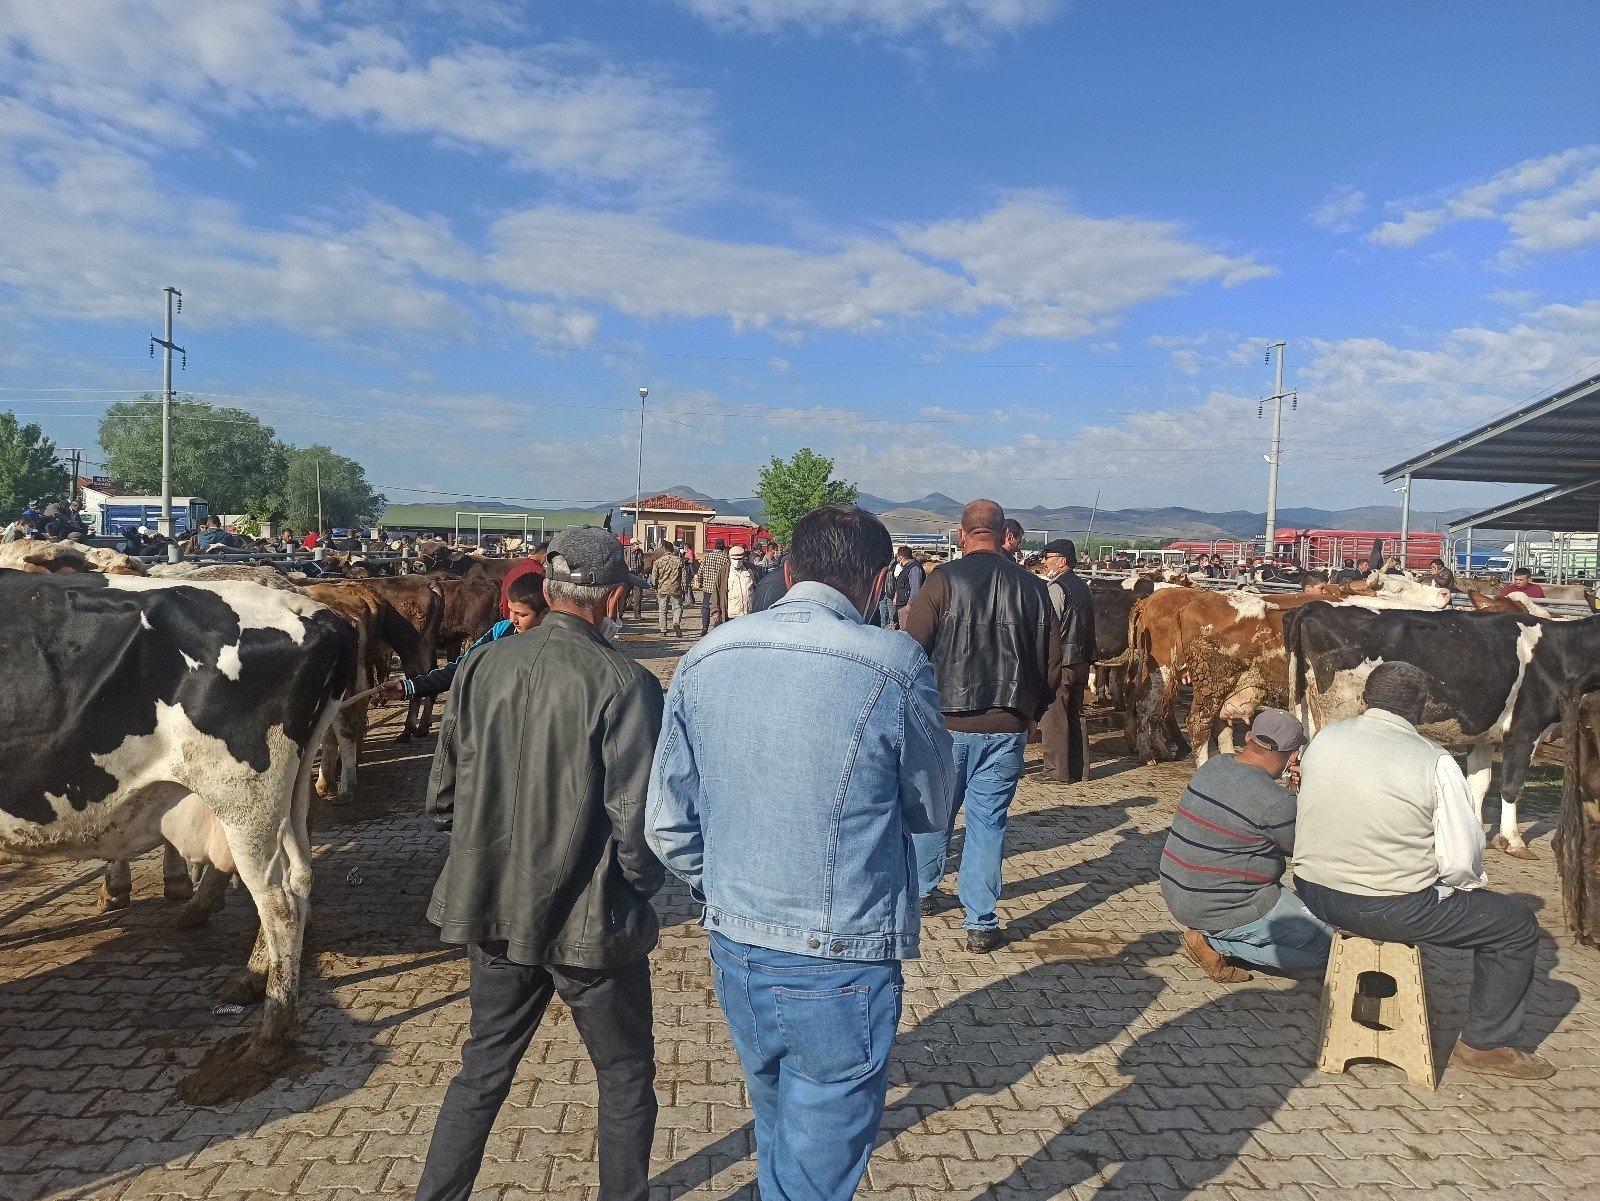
(1278, 730)
(593, 557)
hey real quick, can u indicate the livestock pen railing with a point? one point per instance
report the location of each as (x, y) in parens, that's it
(1458, 600)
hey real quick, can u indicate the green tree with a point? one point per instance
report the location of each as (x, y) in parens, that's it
(347, 498)
(792, 488)
(28, 467)
(227, 457)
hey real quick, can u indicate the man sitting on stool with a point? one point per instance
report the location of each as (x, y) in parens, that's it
(1225, 858)
(1390, 848)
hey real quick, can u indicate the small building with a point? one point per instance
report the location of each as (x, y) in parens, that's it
(670, 517)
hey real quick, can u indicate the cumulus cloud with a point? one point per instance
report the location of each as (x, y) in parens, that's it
(1339, 211)
(1029, 265)
(159, 69)
(1547, 203)
(954, 21)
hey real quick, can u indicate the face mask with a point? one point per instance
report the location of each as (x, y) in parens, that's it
(611, 632)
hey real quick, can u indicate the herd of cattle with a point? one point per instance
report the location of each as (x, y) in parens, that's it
(186, 705)
(190, 705)
(1497, 673)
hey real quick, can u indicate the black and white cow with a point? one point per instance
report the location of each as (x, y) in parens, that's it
(1496, 679)
(131, 706)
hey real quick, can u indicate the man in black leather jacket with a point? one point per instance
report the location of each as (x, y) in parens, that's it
(996, 648)
(1062, 730)
(540, 777)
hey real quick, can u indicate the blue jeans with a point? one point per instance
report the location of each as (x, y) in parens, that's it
(813, 1036)
(988, 767)
(1289, 939)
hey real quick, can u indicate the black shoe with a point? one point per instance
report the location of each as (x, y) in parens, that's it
(983, 942)
(930, 904)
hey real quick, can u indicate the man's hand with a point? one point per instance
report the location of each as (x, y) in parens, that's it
(392, 691)
(1291, 774)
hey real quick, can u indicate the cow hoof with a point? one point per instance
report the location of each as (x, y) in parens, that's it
(246, 988)
(405, 735)
(240, 1066)
(327, 791)
(198, 914)
(179, 894)
(108, 903)
(1517, 850)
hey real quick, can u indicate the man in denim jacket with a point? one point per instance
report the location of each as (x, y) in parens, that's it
(808, 874)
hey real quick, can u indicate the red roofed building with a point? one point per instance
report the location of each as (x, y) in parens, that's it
(668, 516)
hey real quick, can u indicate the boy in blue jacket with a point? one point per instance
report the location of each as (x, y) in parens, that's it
(526, 604)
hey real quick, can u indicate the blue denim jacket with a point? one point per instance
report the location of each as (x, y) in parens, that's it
(800, 751)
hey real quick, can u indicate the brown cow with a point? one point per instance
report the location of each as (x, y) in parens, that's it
(1229, 646)
(409, 626)
(367, 611)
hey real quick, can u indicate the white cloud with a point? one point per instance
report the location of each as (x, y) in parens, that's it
(1056, 273)
(1559, 206)
(159, 68)
(1029, 266)
(92, 236)
(1339, 210)
(955, 21)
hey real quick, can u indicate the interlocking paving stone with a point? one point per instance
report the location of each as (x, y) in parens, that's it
(1085, 1059)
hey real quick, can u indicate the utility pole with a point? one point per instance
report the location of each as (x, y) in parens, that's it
(164, 524)
(1277, 449)
(75, 463)
(638, 480)
(320, 530)
(1405, 519)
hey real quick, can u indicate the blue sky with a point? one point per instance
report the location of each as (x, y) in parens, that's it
(1025, 248)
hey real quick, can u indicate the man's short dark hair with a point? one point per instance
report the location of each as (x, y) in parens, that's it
(721, 545)
(905, 552)
(1527, 571)
(843, 546)
(1399, 688)
(1014, 528)
(528, 589)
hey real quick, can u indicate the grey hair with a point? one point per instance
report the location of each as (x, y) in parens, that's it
(586, 595)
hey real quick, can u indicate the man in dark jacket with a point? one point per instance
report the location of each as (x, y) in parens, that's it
(772, 585)
(540, 777)
(1061, 730)
(996, 648)
(909, 577)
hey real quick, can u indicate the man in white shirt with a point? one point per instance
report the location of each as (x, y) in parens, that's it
(1388, 846)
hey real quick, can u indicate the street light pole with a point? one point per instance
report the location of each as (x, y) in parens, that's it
(638, 480)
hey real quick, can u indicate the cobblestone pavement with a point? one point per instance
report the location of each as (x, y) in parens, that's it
(1084, 1059)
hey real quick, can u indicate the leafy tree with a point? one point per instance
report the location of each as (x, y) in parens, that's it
(227, 457)
(347, 498)
(792, 488)
(28, 467)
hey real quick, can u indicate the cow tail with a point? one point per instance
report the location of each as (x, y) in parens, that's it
(1297, 665)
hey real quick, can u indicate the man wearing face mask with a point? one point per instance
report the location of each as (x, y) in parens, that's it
(807, 874)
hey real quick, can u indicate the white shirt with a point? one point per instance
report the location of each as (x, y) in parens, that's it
(1457, 832)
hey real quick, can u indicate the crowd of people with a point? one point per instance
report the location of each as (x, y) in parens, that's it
(901, 694)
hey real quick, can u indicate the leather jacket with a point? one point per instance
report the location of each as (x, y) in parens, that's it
(540, 776)
(1075, 611)
(991, 648)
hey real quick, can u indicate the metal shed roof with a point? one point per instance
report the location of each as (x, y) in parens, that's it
(1555, 440)
(1569, 508)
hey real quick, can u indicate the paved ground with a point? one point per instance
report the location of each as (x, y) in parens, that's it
(1085, 1059)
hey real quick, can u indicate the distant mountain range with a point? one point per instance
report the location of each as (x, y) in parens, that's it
(936, 512)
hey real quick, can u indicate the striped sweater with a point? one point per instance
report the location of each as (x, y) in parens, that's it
(1226, 851)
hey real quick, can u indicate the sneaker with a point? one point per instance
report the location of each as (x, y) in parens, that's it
(983, 942)
(1502, 1061)
(1206, 957)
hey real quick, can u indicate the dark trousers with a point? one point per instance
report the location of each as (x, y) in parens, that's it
(611, 1010)
(1501, 934)
(1062, 730)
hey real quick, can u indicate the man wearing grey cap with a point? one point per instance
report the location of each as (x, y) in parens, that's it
(540, 778)
(1223, 865)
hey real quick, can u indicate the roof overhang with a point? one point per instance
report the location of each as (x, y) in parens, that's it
(1566, 508)
(1555, 440)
